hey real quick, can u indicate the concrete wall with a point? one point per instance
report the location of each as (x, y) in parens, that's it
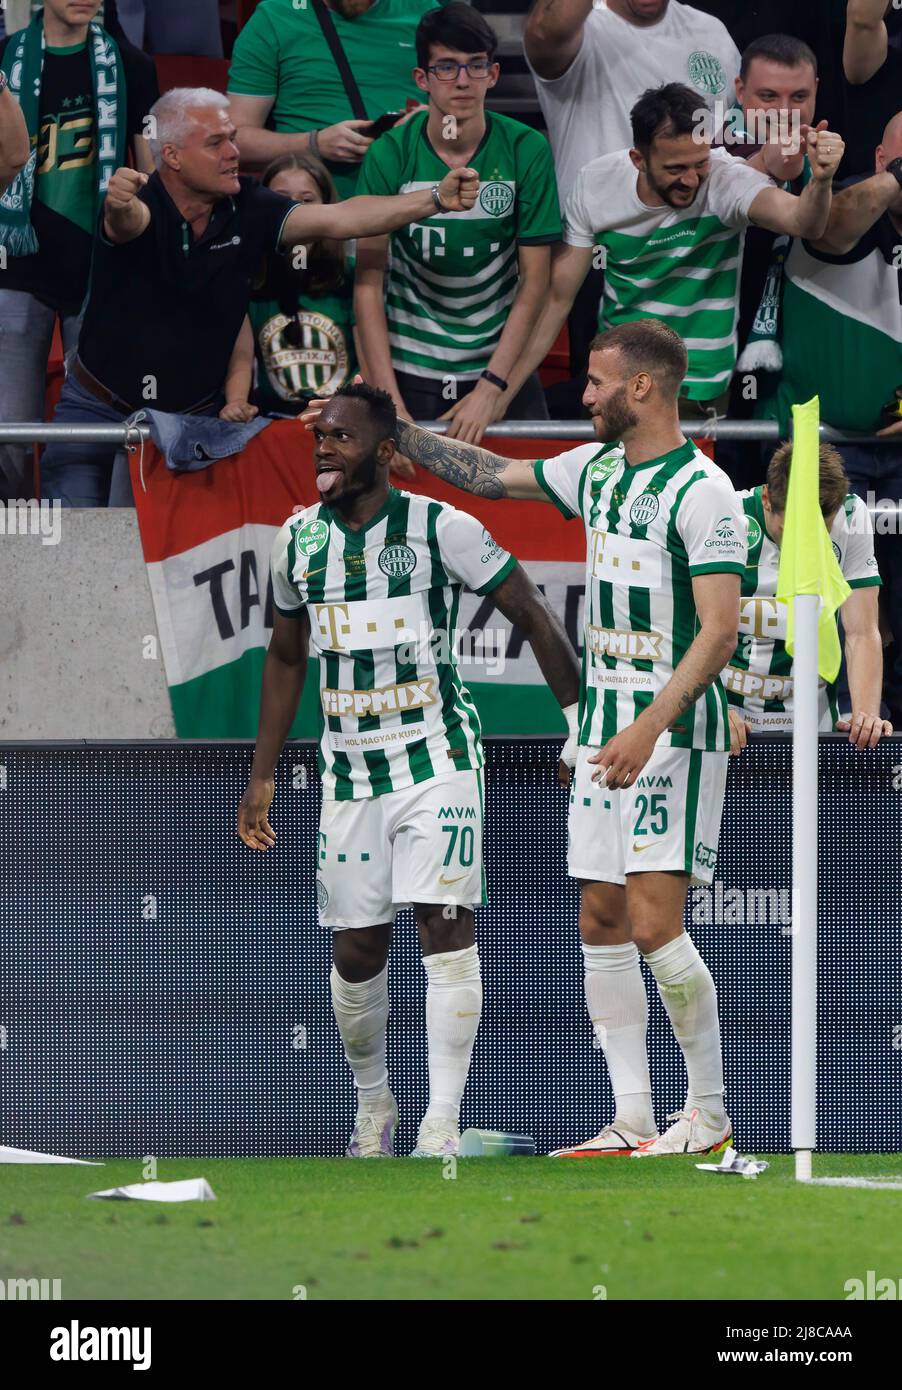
(75, 615)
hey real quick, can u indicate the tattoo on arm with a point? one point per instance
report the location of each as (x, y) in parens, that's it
(463, 465)
(689, 697)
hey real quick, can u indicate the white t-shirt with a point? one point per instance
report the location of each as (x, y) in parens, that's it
(681, 265)
(587, 109)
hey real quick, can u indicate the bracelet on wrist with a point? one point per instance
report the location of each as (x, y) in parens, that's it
(313, 143)
(437, 199)
(494, 380)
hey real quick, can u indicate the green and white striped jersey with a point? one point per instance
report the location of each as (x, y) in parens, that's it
(382, 604)
(681, 265)
(451, 280)
(759, 677)
(650, 529)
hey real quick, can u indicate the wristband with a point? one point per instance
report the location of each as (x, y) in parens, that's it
(313, 144)
(571, 714)
(437, 199)
(494, 380)
(895, 168)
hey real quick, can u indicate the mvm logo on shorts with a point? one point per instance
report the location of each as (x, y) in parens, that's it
(615, 641)
(77, 1343)
(386, 699)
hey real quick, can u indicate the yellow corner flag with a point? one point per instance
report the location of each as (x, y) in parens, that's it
(808, 564)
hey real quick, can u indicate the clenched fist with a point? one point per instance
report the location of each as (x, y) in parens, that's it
(458, 189)
(124, 186)
(825, 151)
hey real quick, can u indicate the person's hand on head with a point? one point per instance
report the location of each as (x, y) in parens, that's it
(400, 464)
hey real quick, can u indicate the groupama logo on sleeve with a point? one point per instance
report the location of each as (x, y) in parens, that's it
(724, 537)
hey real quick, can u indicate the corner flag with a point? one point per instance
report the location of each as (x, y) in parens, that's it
(808, 563)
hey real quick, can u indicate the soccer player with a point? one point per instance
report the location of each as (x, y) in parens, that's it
(759, 678)
(372, 577)
(665, 555)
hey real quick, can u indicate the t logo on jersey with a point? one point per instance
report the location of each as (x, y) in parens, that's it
(622, 560)
(762, 617)
(433, 239)
(333, 627)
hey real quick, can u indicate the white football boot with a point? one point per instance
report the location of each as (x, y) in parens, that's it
(436, 1139)
(690, 1132)
(374, 1133)
(614, 1141)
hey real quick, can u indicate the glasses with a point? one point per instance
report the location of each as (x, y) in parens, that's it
(448, 71)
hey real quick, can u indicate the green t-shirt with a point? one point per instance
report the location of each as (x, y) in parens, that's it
(281, 52)
(313, 360)
(452, 279)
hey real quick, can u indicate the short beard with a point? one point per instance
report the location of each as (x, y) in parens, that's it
(617, 419)
(363, 483)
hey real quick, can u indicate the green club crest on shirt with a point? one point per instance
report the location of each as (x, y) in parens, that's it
(754, 531)
(322, 894)
(644, 509)
(705, 72)
(397, 560)
(496, 199)
(311, 537)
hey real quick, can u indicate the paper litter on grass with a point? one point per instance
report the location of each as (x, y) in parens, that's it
(30, 1156)
(732, 1162)
(186, 1190)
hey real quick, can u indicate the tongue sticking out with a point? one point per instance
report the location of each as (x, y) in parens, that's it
(326, 480)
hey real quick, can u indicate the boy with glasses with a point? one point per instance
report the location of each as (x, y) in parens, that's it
(443, 319)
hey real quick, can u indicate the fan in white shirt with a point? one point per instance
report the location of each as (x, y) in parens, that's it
(591, 65)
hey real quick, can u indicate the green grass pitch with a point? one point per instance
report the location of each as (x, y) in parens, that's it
(501, 1229)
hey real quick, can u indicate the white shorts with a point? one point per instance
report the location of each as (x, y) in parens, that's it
(670, 819)
(422, 844)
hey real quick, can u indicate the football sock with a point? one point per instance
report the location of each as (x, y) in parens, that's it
(361, 1012)
(453, 1008)
(618, 1008)
(690, 998)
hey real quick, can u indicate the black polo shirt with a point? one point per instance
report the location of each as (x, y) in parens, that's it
(169, 307)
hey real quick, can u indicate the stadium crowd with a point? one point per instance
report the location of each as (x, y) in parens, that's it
(734, 169)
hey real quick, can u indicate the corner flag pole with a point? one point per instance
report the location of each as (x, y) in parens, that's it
(811, 583)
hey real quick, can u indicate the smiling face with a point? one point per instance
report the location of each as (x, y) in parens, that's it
(771, 86)
(350, 458)
(675, 167)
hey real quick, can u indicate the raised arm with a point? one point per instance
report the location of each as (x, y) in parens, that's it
(554, 34)
(373, 217)
(125, 216)
(284, 671)
(808, 214)
(465, 466)
(867, 40)
(14, 144)
(855, 210)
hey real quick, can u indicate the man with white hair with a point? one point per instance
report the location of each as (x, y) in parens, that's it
(174, 258)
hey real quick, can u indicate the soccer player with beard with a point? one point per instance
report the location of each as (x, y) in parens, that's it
(666, 550)
(372, 577)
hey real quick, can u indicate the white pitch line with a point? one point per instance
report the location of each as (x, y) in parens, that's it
(886, 1184)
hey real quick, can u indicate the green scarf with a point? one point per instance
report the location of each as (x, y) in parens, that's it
(23, 64)
(763, 351)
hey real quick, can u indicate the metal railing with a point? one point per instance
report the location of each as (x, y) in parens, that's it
(130, 436)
